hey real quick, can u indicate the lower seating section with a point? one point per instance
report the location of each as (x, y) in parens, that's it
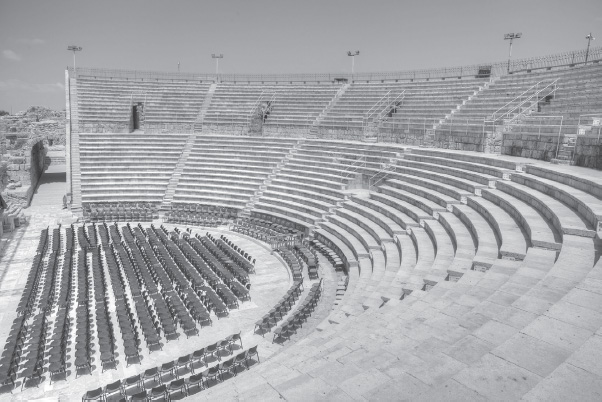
(228, 171)
(270, 229)
(178, 377)
(200, 215)
(120, 212)
(134, 167)
(124, 287)
(280, 310)
(293, 261)
(300, 315)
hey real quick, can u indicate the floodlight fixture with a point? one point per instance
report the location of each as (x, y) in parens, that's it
(352, 55)
(217, 57)
(589, 38)
(511, 37)
(74, 48)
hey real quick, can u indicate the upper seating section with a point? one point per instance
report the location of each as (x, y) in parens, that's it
(228, 171)
(452, 106)
(105, 101)
(233, 105)
(430, 100)
(577, 92)
(133, 167)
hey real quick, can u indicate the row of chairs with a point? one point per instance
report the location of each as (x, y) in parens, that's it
(293, 261)
(280, 310)
(204, 220)
(220, 257)
(310, 259)
(119, 212)
(26, 304)
(165, 380)
(329, 250)
(281, 225)
(296, 320)
(226, 212)
(243, 259)
(236, 278)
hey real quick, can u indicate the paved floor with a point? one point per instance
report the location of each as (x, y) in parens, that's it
(271, 281)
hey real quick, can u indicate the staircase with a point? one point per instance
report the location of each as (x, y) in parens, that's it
(566, 150)
(384, 108)
(313, 130)
(513, 112)
(198, 124)
(76, 177)
(449, 117)
(246, 211)
(429, 138)
(175, 177)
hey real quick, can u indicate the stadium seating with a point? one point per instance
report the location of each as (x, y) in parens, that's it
(449, 273)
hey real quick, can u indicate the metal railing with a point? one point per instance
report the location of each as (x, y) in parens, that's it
(559, 60)
(354, 167)
(537, 123)
(381, 174)
(518, 103)
(265, 96)
(521, 106)
(382, 106)
(596, 122)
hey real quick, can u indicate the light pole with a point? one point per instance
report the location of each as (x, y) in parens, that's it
(217, 57)
(589, 38)
(511, 37)
(352, 55)
(74, 49)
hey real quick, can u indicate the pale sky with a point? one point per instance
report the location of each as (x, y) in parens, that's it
(272, 36)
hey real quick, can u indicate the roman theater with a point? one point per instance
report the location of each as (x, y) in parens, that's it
(403, 235)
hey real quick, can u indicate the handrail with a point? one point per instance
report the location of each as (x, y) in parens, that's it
(599, 115)
(515, 98)
(382, 105)
(558, 60)
(388, 168)
(492, 118)
(258, 101)
(357, 163)
(370, 111)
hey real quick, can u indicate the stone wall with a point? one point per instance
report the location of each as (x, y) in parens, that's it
(284, 131)
(23, 139)
(23, 172)
(588, 152)
(534, 146)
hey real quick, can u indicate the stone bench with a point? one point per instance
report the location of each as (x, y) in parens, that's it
(310, 187)
(564, 219)
(444, 251)
(432, 195)
(463, 242)
(540, 231)
(356, 246)
(357, 231)
(292, 213)
(459, 183)
(416, 214)
(388, 210)
(425, 204)
(488, 247)
(315, 204)
(587, 205)
(471, 166)
(513, 242)
(477, 178)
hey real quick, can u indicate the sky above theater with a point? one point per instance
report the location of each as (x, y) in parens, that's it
(272, 36)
